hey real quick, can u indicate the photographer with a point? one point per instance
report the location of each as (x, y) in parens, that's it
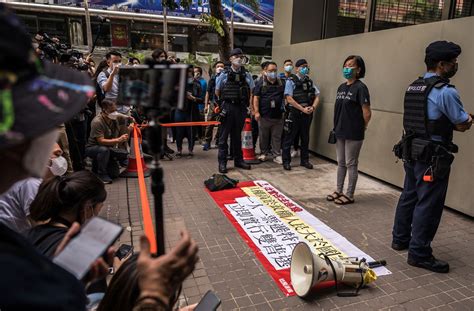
(108, 80)
(107, 142)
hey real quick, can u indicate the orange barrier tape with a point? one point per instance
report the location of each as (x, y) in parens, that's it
(147, 221)
(197, 123)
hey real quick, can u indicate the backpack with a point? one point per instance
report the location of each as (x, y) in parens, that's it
(220, 182)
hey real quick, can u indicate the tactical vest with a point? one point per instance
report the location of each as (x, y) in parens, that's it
(236, 89)
(272, 92)
(415, 116)
(303, 90)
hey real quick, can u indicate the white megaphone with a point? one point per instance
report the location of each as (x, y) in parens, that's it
(308, 270)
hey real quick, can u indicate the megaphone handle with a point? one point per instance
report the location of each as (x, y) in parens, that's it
(345, 294)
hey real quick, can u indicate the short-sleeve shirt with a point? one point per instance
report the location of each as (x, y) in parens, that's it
(15, 204)
(222, 79)
(101, 128)
(348, 116)
(290, 87)
(102, 79)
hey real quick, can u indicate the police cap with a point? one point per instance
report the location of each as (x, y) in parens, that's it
(442, 51)
(301, 62)
(236, 51)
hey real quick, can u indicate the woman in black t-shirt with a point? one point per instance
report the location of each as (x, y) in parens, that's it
(351, 117)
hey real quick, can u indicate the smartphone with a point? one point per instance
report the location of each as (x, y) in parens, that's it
(92, 242)
(123, 251)
(210, 302)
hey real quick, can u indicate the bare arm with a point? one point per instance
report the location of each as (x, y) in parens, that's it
(256, 100)
(315, 102)
(462, 127)
(367, 113)
(294, 103)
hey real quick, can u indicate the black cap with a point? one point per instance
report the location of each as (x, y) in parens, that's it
(442, 51)
(236, 51)
(301, 62)
(41, 95)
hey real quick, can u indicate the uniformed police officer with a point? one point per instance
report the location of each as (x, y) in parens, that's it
(234, 88)
(432, 110)
(302, 96)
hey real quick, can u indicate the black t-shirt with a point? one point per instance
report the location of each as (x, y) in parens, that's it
(30, 281)
(46, 238)
(275, 94)
(348, 117)
(211, 88)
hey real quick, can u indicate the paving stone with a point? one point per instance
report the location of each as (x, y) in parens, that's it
(229, 267)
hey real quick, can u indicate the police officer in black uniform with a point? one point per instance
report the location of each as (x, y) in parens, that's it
(432, 111)
(302, 97)
(234, 88)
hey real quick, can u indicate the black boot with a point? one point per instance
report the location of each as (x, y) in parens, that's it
(431, 264)
(242, 165)
(308, 165)
(223, 168)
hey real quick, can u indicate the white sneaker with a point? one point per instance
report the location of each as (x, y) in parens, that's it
(262, 158)
(278, 160)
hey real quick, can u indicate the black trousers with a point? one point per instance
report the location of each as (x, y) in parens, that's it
(299, 127)
(419, 210)
(231, 125)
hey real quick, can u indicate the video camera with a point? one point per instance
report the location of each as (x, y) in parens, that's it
(52, 48)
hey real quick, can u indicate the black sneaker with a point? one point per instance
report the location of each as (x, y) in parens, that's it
(105, 179)
(242, 165)
(431, 264)
(399, 246)
(222, 168)
(308, 165)
(287, 166)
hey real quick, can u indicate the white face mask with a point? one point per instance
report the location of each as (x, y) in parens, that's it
(113, 116)
(58, 166)
(237, 62)
(161, 59)
(219, 70)
(36, 158)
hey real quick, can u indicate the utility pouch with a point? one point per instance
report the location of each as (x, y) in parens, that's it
(420, 150)
(288, 125)
(441, 163)
(402, 149)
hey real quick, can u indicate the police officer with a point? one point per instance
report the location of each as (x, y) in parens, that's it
(302, 96)
(234, 88)
(432, 111)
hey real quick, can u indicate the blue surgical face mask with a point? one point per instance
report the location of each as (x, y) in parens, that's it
(288, 68)
(347, 72)
(272, 75)
(304, 71)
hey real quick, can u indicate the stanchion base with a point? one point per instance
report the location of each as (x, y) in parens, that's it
(126, 174)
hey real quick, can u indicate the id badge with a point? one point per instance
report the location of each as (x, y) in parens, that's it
(272, 104)
(305, 87)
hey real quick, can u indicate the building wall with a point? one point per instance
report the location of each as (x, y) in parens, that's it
(393, 59)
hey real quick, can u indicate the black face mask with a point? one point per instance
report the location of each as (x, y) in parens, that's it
(451, 72)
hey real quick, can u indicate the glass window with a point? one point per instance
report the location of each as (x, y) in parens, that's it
(54, 27)
(351, 17)
(254, 44)
(399, 13)
(104, 38)
(30, 22)
(464, 8)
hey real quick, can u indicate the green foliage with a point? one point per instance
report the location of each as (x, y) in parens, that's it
(190, 60)
(140, 56)
(215, 23)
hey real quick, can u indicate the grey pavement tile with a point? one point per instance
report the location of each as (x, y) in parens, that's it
(229, 267)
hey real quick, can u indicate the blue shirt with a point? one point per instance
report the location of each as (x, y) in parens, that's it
(445, 101)
(102, 79)
(203, 83)
(222, 79)
(290, 87)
